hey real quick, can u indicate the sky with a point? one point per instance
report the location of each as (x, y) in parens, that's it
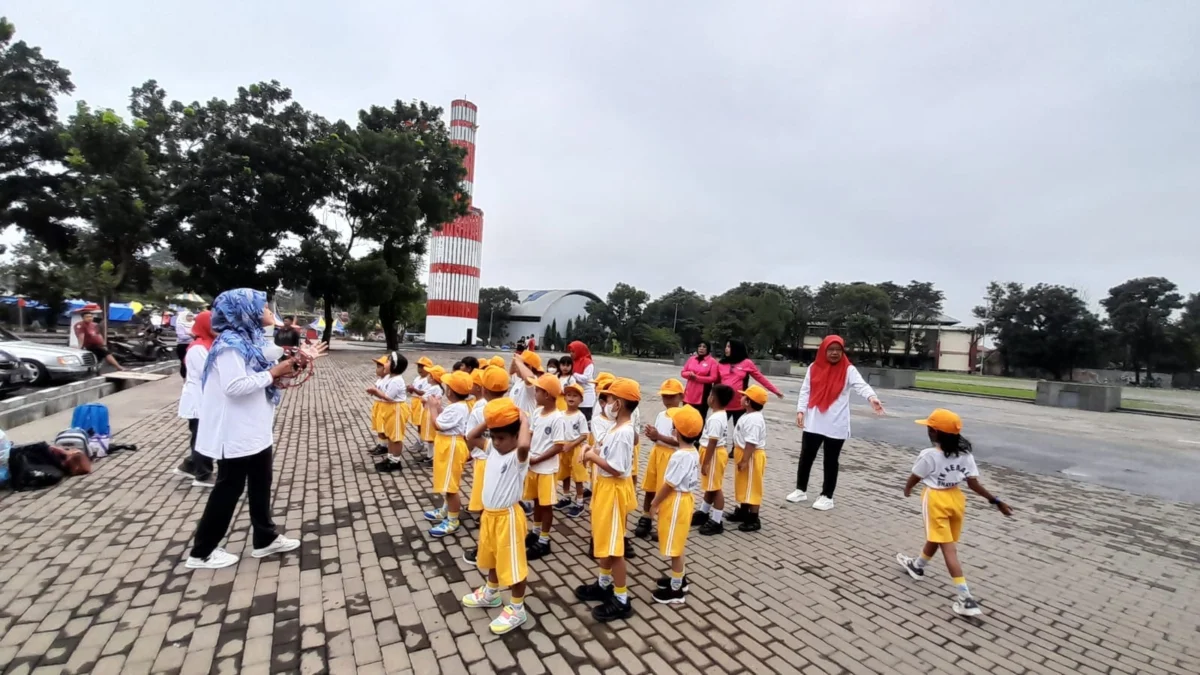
(706, 143)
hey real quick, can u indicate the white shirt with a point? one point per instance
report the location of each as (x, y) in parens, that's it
(183, 327)
(473, 422)
(522, 394)
(503, 479)
(664, 426)
(751, 428)
(584, 380)
(235, 414)
(420, 383)
(431, 392)
(575, 426)
(941, 472)
(601, 425)
(716, 426)
(453, 419)
(617, 450)
(547, 431)
(834, 422)
(683, 469)
(189, 399)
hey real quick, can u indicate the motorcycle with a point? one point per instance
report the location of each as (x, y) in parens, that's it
(149, 347)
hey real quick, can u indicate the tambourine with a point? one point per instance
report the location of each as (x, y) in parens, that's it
(304, 366)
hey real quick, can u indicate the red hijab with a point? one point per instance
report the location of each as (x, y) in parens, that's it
(203, 332)
(826, 380)
(581, 356)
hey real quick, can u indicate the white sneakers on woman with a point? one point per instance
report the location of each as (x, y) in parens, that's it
(281, 545)
(823, 503)
(797, 496)
(218, 559)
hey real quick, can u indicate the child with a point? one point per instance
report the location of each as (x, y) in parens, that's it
(525, 367)
(712, 464)
(565, 377)
(502, 527)
(942, 469)
(603, 421)
(575, 432)
(393, 396)
(497, 361)
(491, 383)
(750, 458)
(662, 435)
(449, 450)
(417, 389)
(377, 407)
(547, 444)
(612, 499)
(674, 501)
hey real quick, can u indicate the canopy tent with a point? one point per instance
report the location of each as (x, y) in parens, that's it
(117, 311)
(319, 325)
(29, 304)
(190, 298)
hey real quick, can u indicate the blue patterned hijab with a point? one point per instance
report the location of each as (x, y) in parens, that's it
(237, 321)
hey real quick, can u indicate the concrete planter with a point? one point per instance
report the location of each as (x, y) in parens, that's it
(1076, 396)
(888, 378)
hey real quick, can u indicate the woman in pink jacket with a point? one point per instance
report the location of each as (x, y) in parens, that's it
(699, 374)
(735, 370)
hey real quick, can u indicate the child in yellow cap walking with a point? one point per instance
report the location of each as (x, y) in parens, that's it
(662, 434)
(750, 458)
(492, 384)
(570, 468)
(377, 408)
(449, 450)
(941, 470)
(673, 504)
(545, 451)
(392, 398)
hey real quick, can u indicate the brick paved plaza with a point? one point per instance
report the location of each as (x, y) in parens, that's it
(1082, 580)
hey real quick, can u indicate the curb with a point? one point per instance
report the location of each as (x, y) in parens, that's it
(1129, 411)
(45, 402)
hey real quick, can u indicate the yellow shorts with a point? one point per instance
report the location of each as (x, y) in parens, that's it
(394, 421)
(427, 429)
(612, 499)
(569, 466)
(656, 468)
(715, 479)
(748, 484)
(449, 457)
(502, 544)
(539, 487)
(416, 411)
(475, 505)
(637, 459)
(943, 511)
(377, 417)
(674, 523)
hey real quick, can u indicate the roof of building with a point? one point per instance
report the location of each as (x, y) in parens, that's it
(532, 304)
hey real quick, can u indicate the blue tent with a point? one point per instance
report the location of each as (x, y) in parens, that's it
(29, 304)
(117, 311)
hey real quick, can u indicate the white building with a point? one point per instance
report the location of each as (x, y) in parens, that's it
(534, 311)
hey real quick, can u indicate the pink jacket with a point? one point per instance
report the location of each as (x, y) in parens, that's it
(698, 374)
(735, 376)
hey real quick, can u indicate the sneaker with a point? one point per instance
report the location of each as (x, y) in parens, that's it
(712, 527)
(435, 515)
(587, 493)
(388, 466)
(471, 556)
(966, 607)
(181, 473)
(537, 551)
(752, 524)
(531, 538)
(444, 528)
(594, 592)
(907, 562)
(699, 518)
(642, 531)
(612, 610)
(574, 511)
(797, 496)
(281, 545)
(509, 619)
(527, 507)
(479, 598)
(665, 582)
(562, 504)
(669, 596)
(739, 515)
(379, 450)
(218, 559)
(823, 503)
(204, 482)
(630, 551)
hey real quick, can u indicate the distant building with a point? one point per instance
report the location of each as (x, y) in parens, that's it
(535, 311)
(951, 346)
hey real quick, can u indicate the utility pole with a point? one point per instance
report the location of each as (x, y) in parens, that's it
(676, 319)
(491, 315)
(987, 315)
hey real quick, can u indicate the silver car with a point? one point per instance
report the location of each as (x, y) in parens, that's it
(49, 363)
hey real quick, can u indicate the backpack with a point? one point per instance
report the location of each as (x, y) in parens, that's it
(75, 439)
(92, 418)
(33, 467)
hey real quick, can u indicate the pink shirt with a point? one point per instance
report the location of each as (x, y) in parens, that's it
(698, 374)
(735, 376)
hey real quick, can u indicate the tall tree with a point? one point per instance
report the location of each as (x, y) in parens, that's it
(802, 302)
(862, 314)
(825, 299)
(622, 313)
(41, 275)
(1046, 327)
(1139, 311)
(758, 314)
(682, 312)
(495, 306)
(920, 305)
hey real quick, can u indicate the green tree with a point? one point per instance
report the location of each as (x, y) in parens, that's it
(802, 303)
(862, 314)
(758, 314)
(658, 341)
(682, 312)
(41, 275)
(495, 307)
(621, 314)
(920, 305)
(550, 338)
(1139, 311)
(1045, 327)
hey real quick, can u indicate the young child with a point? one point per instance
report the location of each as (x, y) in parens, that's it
(565, 377)
(502, 527)
(491, 383)
(715, 444)
(417, 389)
(575, 433)
(603, 421)
(942, 469)
(662, 435)
(377, 407)
(750, 458)
(673, 503)
(449, 450)
(393, 396)
(612, 499)
(546, 445)
(525, 367)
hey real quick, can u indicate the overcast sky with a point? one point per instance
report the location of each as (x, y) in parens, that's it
(707, 143)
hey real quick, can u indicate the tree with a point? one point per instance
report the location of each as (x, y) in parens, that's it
(1187, 333)
(318, 265)
(757, 314)
(920, 305)
(1139, 311)
(622, 313)
(658, 341)
(41, 275)
(495, 306)
(683, 313)
(802, 303)
(550, 339)
(862, 314)
(1045, 327)
(29, 147)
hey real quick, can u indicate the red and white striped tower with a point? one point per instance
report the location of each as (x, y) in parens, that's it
(456, 250)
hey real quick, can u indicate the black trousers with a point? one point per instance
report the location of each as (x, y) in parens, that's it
(234, 475)
(810, 443)
(735, 415)
(702, 408)
(587, 412)
(181, 352)
(198, 465)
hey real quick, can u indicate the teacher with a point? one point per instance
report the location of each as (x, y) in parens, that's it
(735, 371)
(700, 372)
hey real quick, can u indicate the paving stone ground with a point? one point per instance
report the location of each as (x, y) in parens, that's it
(1083, 580)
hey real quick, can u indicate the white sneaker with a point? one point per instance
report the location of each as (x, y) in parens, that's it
(823, 503)
(797, 496)
(508, 620)
(180, 473)
(218, 559)
(281, 545)
(203, 483)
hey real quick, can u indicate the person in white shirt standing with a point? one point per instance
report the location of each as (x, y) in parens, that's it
(237, 410)
(823, 412)
(196, 465)
(183, 338)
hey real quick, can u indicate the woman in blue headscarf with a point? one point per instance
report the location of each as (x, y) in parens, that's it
(237, 411)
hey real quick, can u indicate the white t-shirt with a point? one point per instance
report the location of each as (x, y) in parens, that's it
(547, 429)
(419, 384)
(189, 398)
(522, 394)
(473, 422)
(453, 419)
(683, 469)
(431, 392)
(716, 426)
(575, 425)
(941, 472)
(617, 450)
(601, 425)
(664, 426)
(394, 388)
(834, 422)
(584, 380)
(503, 479)
(751, 428)
(235, 414)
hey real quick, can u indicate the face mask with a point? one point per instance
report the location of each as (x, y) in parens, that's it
(553, 371)
(273, 352)
(612, 410)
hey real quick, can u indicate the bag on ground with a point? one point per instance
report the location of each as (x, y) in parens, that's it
(92, 418)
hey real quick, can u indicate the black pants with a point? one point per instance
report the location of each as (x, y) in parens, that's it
(181, 352)
(587, 412)
(198, 465)
(702, 408)
(735, 415)
(233, 475)
(810, 443)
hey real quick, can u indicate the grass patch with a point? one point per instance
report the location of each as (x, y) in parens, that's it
(996, 380)
(1136, 404)
(977, 389)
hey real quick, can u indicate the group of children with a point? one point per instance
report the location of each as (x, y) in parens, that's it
(526, 430)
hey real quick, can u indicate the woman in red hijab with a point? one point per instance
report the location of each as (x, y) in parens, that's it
(584, 371)
(823, 412)
(195, 465)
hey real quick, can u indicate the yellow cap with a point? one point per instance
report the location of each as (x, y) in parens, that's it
(603, 375)
(688, 421)
(625, 389)
(547, 383)
(458, 381)
(436, 373)
(497, 361)
(501, 412)
(383, 360)
(531, 359)
(494, 379)
(575, 387)
(425, 361)
(755, 393)
(477, 377)
(671, 387)
(944, 421)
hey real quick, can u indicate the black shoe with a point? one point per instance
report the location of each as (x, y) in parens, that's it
(699, 518)
(613, 609)
(738, 516)
(630, 551)
(587, 493)
(753, 524)
(642, 531)
(379, 450)
(669, 596)
(665, 582)
(388, 466)
(470, 556)
(537, 551)
(593, 592)
(428, 461)
(712, 527)
(562, 504)
(531, 538)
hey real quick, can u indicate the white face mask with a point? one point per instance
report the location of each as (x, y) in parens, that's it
(612, 410)
(273, 352)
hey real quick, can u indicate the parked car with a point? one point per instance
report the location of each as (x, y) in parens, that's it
(13, 374)
(49, 363)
